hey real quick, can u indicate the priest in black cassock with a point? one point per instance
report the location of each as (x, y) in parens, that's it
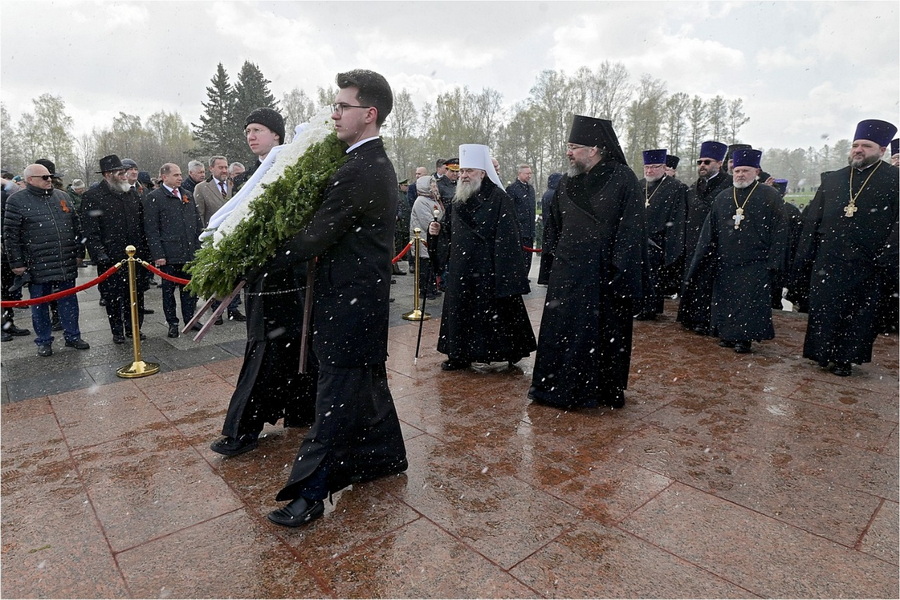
(742, 249)
(693, 310)
(598, 241)
(484, 318)
(664, 208)
(848, 248)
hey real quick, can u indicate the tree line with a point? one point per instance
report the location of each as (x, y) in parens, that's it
(534, 131)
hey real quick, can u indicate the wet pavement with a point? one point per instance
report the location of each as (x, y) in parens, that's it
(725, 475)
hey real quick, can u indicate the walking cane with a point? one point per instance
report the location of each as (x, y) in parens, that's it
(425, 297)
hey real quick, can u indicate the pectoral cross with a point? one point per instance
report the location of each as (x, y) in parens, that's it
(849, 210)
(738, 217)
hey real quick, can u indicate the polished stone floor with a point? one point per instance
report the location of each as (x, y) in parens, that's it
(725, 475)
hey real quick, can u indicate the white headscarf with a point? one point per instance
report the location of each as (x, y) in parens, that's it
(478, 156)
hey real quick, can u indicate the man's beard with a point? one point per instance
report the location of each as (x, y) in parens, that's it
(653, 179)
(576, 168)
(864, 162)
(119, 186)
(465, 190)
(742, 184)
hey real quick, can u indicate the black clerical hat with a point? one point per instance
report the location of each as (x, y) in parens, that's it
(588, 131)
(876, 131)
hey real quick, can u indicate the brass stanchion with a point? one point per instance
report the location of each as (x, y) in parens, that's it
(138, 368)
(416, 314)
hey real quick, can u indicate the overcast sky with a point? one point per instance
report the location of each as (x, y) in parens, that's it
(807, 71)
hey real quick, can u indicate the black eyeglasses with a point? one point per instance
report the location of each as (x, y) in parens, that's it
(338, 107)
(705, 161)
(44, 177)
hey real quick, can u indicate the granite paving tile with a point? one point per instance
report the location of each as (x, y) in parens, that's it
(764, 556)
(258, 564)
(150, 484)
(593, 561)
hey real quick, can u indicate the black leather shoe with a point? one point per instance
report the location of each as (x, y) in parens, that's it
(6, 337)
(823, 364)
(236, 315)
(454, 364)
(173, 331)
(118, 339)
(129, 335)
(197, 326)
(219, 321)
(45, 350)
(78, 344)
(726, 344)
(842, 369)
(230, 446)
(742, 347)
(12, 330)
(701, 330)
(299, 512)
(102, 302)
(148, 311)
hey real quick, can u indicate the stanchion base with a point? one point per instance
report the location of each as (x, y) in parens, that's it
(416, 315)
(137, 369)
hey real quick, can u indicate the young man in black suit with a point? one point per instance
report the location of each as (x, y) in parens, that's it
(356, 436)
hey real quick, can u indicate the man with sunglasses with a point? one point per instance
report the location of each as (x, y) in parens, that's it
(42, 238)
(693, 310)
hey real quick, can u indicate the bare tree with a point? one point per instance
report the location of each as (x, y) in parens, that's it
(717, 113)
(736, 119)
(697, 125)
(676, 111)
(296, 108)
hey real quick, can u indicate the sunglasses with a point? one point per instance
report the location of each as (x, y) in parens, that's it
(705, 161)
(44, 177)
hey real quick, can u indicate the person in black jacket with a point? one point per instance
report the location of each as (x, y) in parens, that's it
(523, 195)
(356, 436)
(42, 237)
(546, 203)
(172, 226)
(112, 217)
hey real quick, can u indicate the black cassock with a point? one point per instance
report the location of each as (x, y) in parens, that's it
(269, 386)
(598, 243)
(693, 309)
(665, 206)
(742, 261)
(484, 318)
(846, 260)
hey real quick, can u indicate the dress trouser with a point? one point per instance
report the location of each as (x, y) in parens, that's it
(188, 300)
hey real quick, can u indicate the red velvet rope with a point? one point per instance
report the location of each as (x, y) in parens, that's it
(177, 280)
(62, 294)
(527, 249)
(403, 252)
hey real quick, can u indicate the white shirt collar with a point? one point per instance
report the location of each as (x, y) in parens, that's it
(360, 143)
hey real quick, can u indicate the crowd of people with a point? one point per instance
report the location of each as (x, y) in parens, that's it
(614, 248)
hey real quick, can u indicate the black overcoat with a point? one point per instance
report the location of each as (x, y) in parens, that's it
(743, 260)
(598, 242)
(665, 206)
(845, 260)
(484, 318)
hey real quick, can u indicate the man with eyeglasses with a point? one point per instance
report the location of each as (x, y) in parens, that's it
(693, 310)
(263, 129)
(43, 240)
(665, 204)
(598, 239)
(356, 436)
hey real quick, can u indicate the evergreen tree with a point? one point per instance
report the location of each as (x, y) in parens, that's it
(251, 91)
(219, 131)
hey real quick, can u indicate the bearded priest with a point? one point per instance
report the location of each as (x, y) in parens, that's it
(484, 318)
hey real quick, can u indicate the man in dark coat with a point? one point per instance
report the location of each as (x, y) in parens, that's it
(523, 195)
(546, 202)
(484, 318)
(664, 208)
(10, 331)
(43, 241)
(794, 223)
(113, 218)
(693, 310)
(598, 240)
(263, 130)
(849, 243)
(356, 436)
(172, 226)
(742, 246)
